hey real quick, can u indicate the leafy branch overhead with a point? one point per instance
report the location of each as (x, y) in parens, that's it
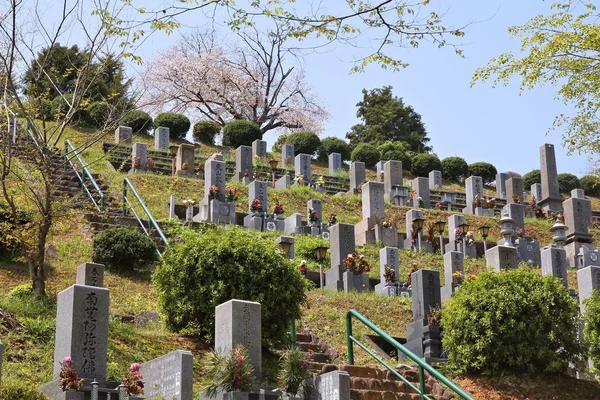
(560, 49)
(388, 24)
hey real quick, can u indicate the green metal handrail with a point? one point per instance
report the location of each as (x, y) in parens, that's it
(423, 366)
(151, 222)
(85, 172)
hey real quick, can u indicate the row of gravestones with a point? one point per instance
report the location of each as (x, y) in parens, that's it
(82, 319)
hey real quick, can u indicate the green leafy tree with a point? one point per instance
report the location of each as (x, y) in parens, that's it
(423, 164)
(483, 169)
(567, 182)
(533, 176)
(454, 168)
(333, 144)
(366, 153)
(590, 184)
(396, 151)
(386, 118)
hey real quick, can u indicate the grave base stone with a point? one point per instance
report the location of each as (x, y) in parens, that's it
(283, 183)
(453, 261)
(292, 224)
(588, 280)
(528, 250)
(501, 257)
(334, 385)
(386, 236)
(364, 231)
(574, 248)
(254, 221)
(218, 212)
(169, 376)
(355, 281)
(333, 278)
(484, 212)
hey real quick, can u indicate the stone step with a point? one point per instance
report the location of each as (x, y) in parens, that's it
(357, 394)
(304, 337)
(380, 385)
(321, 358)
(304, 346)
(364, 372)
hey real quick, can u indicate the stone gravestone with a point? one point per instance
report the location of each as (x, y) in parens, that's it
(140, 150)
(550, 199)
(421, 187)
(426, 247)
(90, 274)
(501, 185)
(536, 191)
(528, 250)
(454, 221)
(302, 164)
(259, 148)
(254, 219)
(422, 338)
(474, 188)
(317, 205)
(341, 239)
(239, 322)
(453, 262)
(392, 176)
(169, 377)
(516, 212)
(587, 257)
(435, 180)
(554, 263)
(578, 194)
(335, 163)
(514, 187)
(357, 175)
(216, 210)
(243, 164)
(283, 183)
(334, 385)
(588, 280)
(293, 224)
(161, 138)
(577, 213)
(185, 154)
(372, 208)
(123, 135)
(388, 256)
(379, 169)
(501, 257)
(287, 154)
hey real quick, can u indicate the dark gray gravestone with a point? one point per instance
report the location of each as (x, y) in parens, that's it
(342, 241)
(335, 163)
(501, 185)
(453, 261)
(287, 154)
(169, 377)
(392, 176)
(302, 165)
(578, 213)
(388, 256)
(516, 212)
(316, 205)
(514, 187)
(372, 200)
(239, 322)
(588, 280)
(554, 263)
(214, 175)
(90, 274)
(243, 163)
(421, 186)
(357, 174)
(333, 385)
(528, 250)
(501, 257)
(474, 188)
(259, 148)
(425, 293)
(258, 190)
(550, 189)
(82, 330)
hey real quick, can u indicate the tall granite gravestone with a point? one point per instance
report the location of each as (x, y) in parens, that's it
(501, 185)
(123, 135)
(239, 322)
(217, 209)
(90, 274)
(423, 338)
(314, 228)
(287, 154)
(501, 257)
(514, 188)
(435, 180)
(259, 148)
(474, 188)
(243, 165)
(254, 219)
(379, 170)
(372, 208)
(302, 165)
(516, 212)
(536, 191)
(357, 175)
(170, 376)
(453, 262)
(334, 385)
(283, 183)
(140, 150)
(454, 221)
(388, 256)
(392, 176)
(425, 247)
(588, 280)
(342, 242)
(161, 138)
(554, 263)
(550, 200)
(335, 163)
(578, 214)
(421, 186)
(185, 155)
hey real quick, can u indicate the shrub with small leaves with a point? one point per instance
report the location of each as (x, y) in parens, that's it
(178, 124)
(366, 153)
(590, 184)
(24, 391)
(454, 168)
(567, 182)
(591, 331)
(533, 176)
(123, 249)
(206, 131)
(333, 145)
(138, 120)
(229, 372)
(483, 169)
(423, 164)
(240, 132)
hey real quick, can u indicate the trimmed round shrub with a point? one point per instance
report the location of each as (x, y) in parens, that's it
(591, 331)
(395, 151)
(366, 153)
(240, 132)
(455, 168)
(178, 124)
(139, 121)
(590, 184)
(511, 320)
(123, 249)
(567, 182)
(423, 164)
(206, 131)
(208, 268)
(304, 142)
(534, 176)
(333, 144)
(98, 113)
(485, 170)
(24, 391)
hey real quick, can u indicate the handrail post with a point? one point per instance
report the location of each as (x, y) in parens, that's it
(349, 338)
(66, 156)
(124, 197)
(293, 333)
(422, 382)
(102, 203)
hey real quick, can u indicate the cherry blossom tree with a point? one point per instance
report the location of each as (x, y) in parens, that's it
(248, 80)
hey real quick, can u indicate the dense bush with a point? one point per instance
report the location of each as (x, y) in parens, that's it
(396, 151)
(423, 164)
(210, 268)
(454, 168)
(98, 113)
(178, 124)
(590, 184)
(534, 176)
(591, 331)
(485, 170)
(123, 249)
(240, 132)
(25, 391)
(138, 120)
(206, 131)
(304, 142)
(333, 145)
(366, 153)
(567, 182)
(509, 321)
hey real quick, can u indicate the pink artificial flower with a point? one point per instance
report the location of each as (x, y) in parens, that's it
(134, 367)
(68, 361)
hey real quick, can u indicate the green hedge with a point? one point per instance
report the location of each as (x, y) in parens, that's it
(123, 249)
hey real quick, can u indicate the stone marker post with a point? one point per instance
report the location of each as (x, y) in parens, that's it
(474, 188)
(287, 154)
(435, 180)
(161, 138)
(550, 200)
(357, 175)
(123, 135)
(341, 239)
(243, 164)
(335, 163)
(501, 185)
(170, 376)
(302, 164)
(392, 176)
(554, 263)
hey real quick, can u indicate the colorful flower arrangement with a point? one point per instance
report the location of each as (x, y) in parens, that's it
(302, 267)
(133, 380)
(469, 238)
(412, 193)
(312, 215)
(256, 206)
(356, 263)
(299, 179)
(229, 372)
(388, 223)
(184, 166)
(458, 235)
(489, 203)
(439, 205)
(420, 202)
(389, 274)
(477, 201)
(458, 277)
(213, 192)
(321, 181)
(332, 218)
(68, 376)
(189, 202)
(278, 210)
(232, 194)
